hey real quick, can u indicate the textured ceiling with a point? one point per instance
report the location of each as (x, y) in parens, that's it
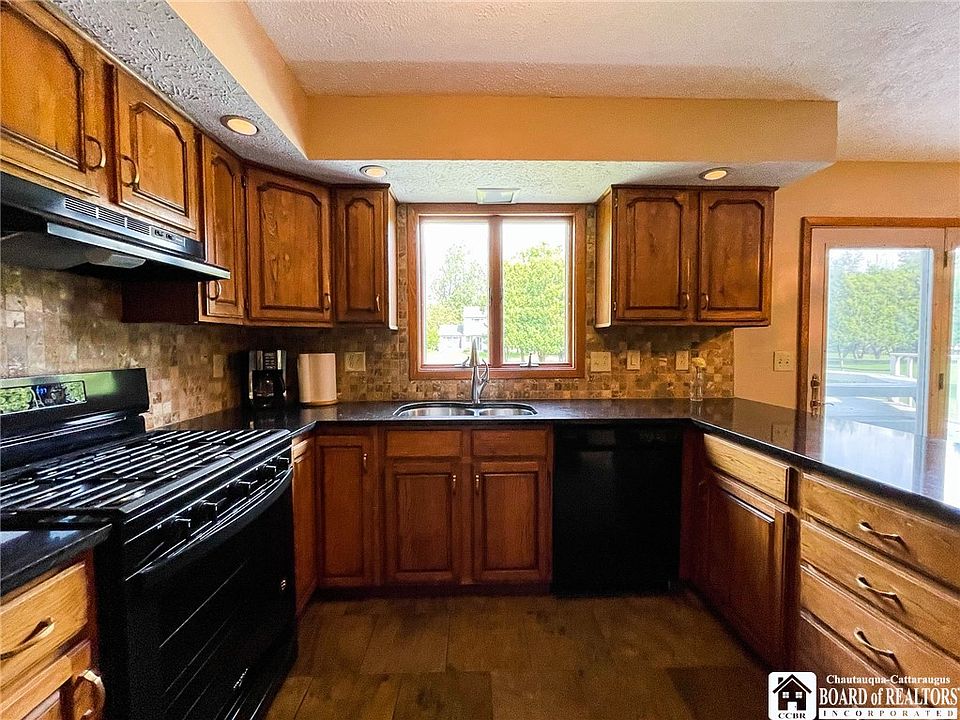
(894, 67)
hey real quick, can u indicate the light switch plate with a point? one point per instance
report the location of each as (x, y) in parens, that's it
(218, 363)
(599, 362)
(634, 359)
(355, 362)
(683, 360)
(783, 361)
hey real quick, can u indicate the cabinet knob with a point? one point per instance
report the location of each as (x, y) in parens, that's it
(377, 302)
(704, 301)
(476, 483)
(327, 301)
(453, 482)
(99, 694)
(135, 180)
(42, 631)
(684, 300)
(217, 288)
(363, 462)
(102, 161)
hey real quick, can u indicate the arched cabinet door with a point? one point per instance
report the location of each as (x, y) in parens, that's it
(156, 149)
(53, 105)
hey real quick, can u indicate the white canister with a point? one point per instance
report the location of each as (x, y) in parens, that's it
(318, 378)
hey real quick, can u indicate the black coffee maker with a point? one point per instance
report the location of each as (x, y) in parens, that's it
(267, 378)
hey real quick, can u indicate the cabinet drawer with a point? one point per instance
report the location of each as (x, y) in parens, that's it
(902, 534)
(509, 442)
(870, 634)
(758, 471)
(820, 651)
(39, 620)
(424, 443)
(898, 593)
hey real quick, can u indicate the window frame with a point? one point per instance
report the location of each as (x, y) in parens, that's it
(576, 307)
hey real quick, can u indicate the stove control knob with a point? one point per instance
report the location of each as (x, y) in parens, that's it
(243, 488)
(179, 528)
(267, 472)
(282, 463)
(210, 510)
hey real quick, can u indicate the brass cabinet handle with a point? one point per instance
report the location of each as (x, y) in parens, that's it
(363, 462)
(42, 631)
(327, 301)
(377, 302)
(684, 300)
(893, 537)
(99, 693)
(218, 290)
(102, 162)
(476, 483)
(453, 482)
(135, 181)
(888, 594)
(861, 638)
(704, 301)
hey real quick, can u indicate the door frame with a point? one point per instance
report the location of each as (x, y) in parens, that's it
(807, 226)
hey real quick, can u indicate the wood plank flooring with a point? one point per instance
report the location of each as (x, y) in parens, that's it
(519, 658)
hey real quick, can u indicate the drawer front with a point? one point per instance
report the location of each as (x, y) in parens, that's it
(424, 443)
(820, 651)
(902, 595)
(510, 443)
(870, 634)
(902, 534)
(766, 475)
(35, 623)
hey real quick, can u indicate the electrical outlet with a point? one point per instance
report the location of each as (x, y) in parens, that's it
(599, 362)
(783, 361)
(683, 360)
(634, 359)
(355, 362)
(218, 362)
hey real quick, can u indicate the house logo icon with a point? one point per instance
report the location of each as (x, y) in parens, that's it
(792, 695)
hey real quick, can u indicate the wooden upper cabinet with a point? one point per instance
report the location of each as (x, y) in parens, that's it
(366, 255)
(53, 105)
(734, 258)
(678, 256)
(288, 251)
(346, 505)
(655, 238)
(156, 152)
(224, 233)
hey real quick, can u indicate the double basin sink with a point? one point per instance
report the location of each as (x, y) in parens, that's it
(462, 409)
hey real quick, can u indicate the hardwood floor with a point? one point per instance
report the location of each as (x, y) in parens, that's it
(519, 658)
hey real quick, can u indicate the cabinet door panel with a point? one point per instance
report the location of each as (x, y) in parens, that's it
(304, 521)
(223, 232)
(656, 234)
(735, 261)
(422, 521)
(157, 166)
(511, 513)
(288, 245)
(745, 575)
(361, 239)
(345, 506)
(53, 105)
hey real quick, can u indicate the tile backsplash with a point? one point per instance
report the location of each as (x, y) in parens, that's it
(60, 322)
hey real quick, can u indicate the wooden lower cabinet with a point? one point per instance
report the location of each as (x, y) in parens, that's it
(304, 520)
(423, 520)
(346, 507)
(746, 565)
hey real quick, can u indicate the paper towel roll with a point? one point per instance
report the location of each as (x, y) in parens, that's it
(318, 378)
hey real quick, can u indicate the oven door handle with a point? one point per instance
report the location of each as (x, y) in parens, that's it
(219, 533)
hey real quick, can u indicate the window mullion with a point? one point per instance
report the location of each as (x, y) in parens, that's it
(495, 310)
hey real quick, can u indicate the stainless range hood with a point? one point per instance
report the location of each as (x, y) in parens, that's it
(43, 228)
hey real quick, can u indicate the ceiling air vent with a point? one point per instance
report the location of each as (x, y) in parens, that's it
(496, 196)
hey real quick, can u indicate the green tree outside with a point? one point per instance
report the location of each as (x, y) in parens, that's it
(460, 283)
(534, 303)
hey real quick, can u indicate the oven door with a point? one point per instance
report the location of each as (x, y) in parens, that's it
(200, 623)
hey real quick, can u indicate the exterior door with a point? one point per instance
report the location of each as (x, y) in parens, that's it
(304, 521)
(734, 256)
(288, 250)
(345, 510)
(224, 230)
(53, 106)
(361, 254)
(423, 521)
(879, 327)
(511, 517)
(655, 239)
(157, 157)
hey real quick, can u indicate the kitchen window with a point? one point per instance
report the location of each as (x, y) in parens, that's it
(512, 278)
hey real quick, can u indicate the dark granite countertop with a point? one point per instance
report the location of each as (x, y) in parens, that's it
(920, 471)
(26, 554)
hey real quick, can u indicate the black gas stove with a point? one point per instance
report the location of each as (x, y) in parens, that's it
(195, 584)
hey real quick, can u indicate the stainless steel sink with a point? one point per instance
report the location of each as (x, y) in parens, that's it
(459, 409)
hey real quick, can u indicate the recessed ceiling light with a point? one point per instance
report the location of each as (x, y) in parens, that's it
(714, 174)
(240, 125)
(496, 196)
(374, 171)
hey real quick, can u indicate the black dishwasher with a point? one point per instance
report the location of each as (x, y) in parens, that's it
(616, 514)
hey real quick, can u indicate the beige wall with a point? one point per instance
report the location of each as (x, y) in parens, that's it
(856, 189)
